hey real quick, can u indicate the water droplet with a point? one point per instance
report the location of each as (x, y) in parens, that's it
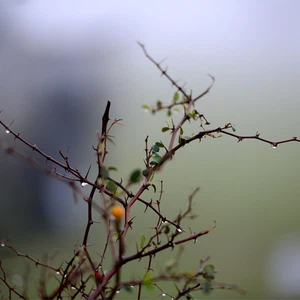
(7, 131)
(73, 287)
(57, 272)
(84, 183)
(2, 245)
(132, 286)
(165, 222)
(179, 229)
(163, 294)
(274, 146)
(118, 291)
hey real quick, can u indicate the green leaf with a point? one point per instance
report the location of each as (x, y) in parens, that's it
(209, 272)
(147, 280)
(152, 177)
(160, 144)
(155, 148)
(176, 97)
(164, 129)
(149, 286)
(169, 114)
(104, 172)
(135, 175)
(112, 168)
(146, 107)
(143, 240)
(111, 186)
(156, 157)
(192, 114)
(181, 131)
(167, 229)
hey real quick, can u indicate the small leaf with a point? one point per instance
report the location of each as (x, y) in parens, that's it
(146, 107)
(167, 229)
(111, 186)
(143, 240)
(164, 129)
(209, 272)
(135, 175)
(112, 168)
(181, 131)
(176, 97)
(159, 104)
(155, 148)
(160, 144)
(147, 278)
(219, 135)
(156, 157)
(104, 172)
(169, 114)
(192, 114)
(152, 177)
(149, 286)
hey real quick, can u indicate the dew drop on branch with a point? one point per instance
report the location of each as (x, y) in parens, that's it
(274, 146)
(83, 184)
(7, 131)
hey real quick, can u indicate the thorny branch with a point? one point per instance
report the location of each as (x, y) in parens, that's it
(78, 272)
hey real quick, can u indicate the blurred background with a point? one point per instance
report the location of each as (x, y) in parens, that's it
(61, 61)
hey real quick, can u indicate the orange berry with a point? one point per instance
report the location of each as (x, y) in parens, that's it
(117, 211)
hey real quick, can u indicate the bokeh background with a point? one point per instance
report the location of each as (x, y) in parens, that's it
(60, 61)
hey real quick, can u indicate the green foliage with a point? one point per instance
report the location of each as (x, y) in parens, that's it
(111, 186)
(165, 129)
(176, 97)
(135, 176)
(143, 240)
(147, 281)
